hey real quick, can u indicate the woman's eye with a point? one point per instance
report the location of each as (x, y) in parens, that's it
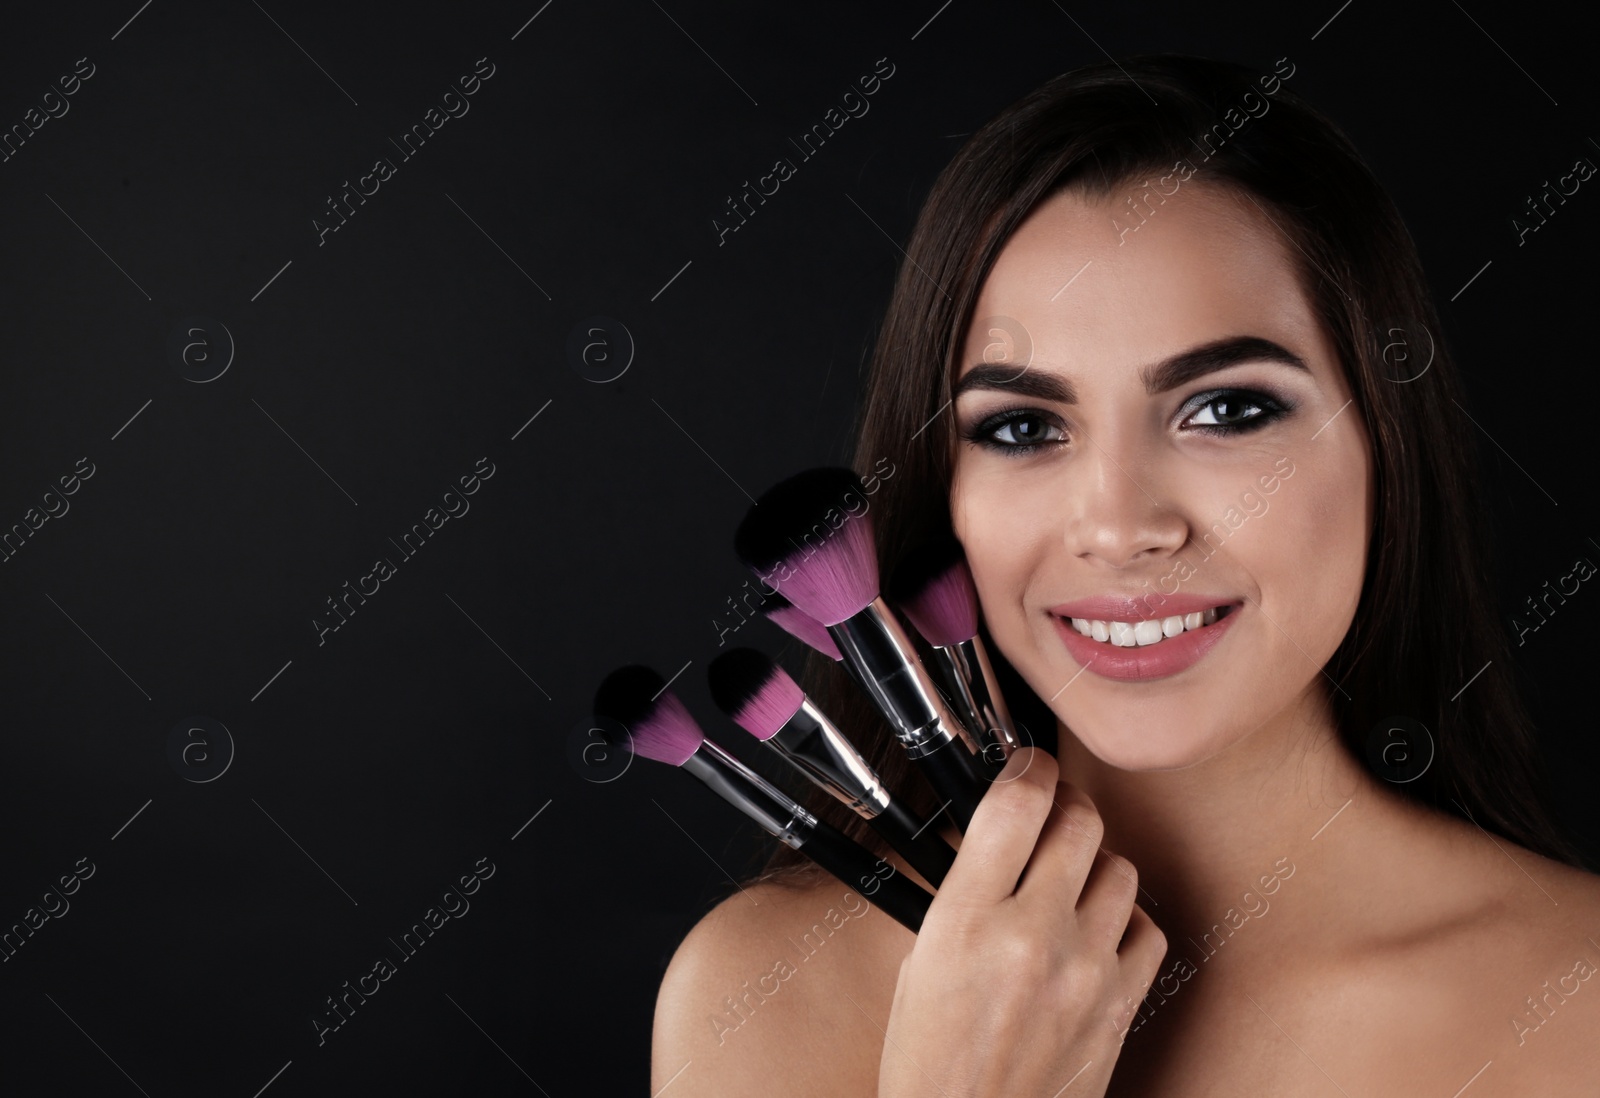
(1236, 410)
(1016, 432)
(1022, 431)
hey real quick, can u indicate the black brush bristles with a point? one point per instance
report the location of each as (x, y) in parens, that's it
(786, 512)
(810, 538)
(736, 677)
(626, 694)
(754, 691)
(659, 726)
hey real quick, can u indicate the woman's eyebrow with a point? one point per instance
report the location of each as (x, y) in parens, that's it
(1167, 374)
(1008, 377)
(1216, 355)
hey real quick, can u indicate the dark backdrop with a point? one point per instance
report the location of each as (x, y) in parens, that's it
(164, 623)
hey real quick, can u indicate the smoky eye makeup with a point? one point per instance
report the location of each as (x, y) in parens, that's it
(1014, 431)
(1225, 411)
(1234, 410)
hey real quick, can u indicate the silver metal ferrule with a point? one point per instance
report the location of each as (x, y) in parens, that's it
(816, 746)
(952, 672)
(880, 656)
(766, 804)
(976, 699)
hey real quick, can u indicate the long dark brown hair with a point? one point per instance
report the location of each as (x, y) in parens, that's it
(1426, 621)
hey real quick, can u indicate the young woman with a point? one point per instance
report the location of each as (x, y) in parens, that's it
(1141, 361)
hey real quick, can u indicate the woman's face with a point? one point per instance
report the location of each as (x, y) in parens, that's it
(1138, 451)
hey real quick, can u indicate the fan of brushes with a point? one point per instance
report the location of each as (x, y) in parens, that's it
(811, 539)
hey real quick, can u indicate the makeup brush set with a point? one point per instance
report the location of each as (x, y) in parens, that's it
(810, 538)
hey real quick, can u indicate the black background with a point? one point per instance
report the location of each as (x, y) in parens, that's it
(374, 769)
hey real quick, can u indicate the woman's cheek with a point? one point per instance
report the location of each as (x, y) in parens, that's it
(1323, 533)
(998, 551)
(1022, 643)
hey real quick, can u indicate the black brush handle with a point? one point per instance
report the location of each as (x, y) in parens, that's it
(897, 895)
(953, 772)
(918, 843)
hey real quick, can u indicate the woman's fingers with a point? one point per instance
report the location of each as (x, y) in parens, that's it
(1107, 898)
(1004, 829)
(1014, 998)
(1066, 853)
(1143, 949)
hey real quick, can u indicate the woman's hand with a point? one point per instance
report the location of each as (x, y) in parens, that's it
(1033, 958)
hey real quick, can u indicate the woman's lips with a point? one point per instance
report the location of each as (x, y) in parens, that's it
(1166, 657)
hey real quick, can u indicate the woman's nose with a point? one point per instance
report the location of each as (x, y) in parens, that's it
(1115, 510)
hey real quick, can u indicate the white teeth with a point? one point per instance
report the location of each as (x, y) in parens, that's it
(1125, 634)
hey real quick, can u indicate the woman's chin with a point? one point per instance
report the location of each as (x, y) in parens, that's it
(1136, 749)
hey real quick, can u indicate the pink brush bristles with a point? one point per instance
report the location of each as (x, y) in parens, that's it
(659, 726)
(804, 628)
(934, 587)
(771, 708)
(946, 612)
(668, 733)
(836, 581)
(757, 693)
(810, 537)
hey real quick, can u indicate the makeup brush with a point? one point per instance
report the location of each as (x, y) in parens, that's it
(763, 700)
(933, 587)
(660, 727)
(799, 625)
(810, 537)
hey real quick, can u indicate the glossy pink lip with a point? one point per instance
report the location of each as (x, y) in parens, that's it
(1143, 662)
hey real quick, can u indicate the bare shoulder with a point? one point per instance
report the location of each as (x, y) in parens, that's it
(779, 990)
(1549, 999)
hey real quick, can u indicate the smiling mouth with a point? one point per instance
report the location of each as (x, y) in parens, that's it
(1142, 634)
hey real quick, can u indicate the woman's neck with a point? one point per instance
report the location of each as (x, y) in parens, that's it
(1288, 799)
